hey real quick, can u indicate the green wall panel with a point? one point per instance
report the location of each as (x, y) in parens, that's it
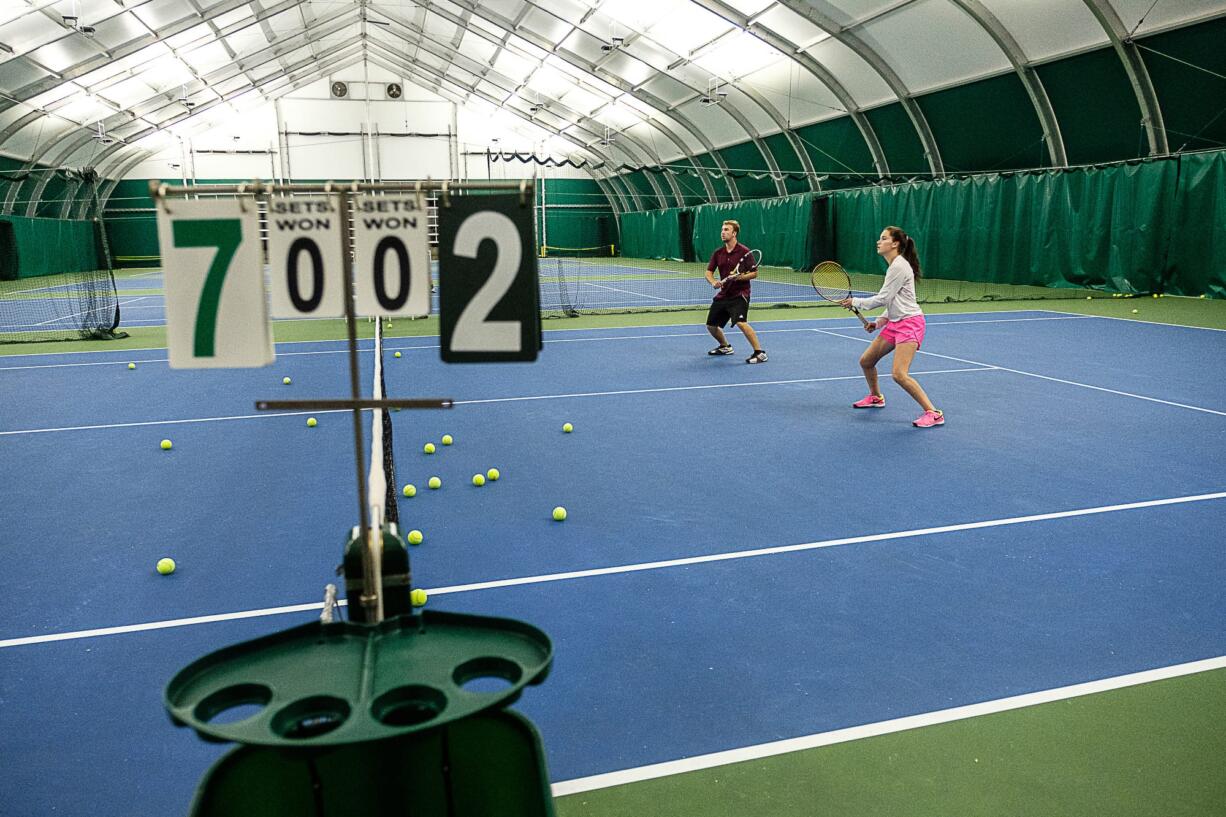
(899, 140)
(1193, 101)
(986, 125)
(746, 157)
(837, 147)
(1096, 108)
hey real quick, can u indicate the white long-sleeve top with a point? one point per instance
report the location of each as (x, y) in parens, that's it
(897, 293)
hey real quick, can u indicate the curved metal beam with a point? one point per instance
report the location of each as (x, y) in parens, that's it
(394, 62)
(990, 23)
(419, 72)
(487, 73)
(503, 44)
(616, 81)
(878, 63)
(1138, 75)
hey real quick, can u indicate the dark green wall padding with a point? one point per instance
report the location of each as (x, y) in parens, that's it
(1120, 228)
(33, 247)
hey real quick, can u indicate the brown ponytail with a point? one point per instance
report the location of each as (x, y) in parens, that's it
(906, 248)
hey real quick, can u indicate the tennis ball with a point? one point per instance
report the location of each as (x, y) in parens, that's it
(568, 428)
(447, 439)
(312, 422)
(478, 480)
(166, 566)
(1135, 311)
(397, 355)
(286, 380)
(428, 448)
(435, 483)
(1202, 295)
(415, 537)
(410, 490)
(1087, 297)
(493, 474)
(418, 597)
(559, 513)
(166, 445)
(131, 365)
(1155, 294)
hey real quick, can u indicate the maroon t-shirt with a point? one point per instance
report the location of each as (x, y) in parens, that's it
(726, 262)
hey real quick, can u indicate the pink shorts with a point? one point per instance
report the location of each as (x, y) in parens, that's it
(908, 330)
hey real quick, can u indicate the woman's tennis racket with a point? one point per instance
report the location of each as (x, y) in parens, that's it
(832, 283)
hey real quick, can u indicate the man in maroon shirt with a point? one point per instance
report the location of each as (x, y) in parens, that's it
(731, 302)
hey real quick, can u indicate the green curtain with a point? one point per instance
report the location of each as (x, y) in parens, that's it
(1196, 261)
(781, 228)
(1102, 228)
(48, 246)
(652, 234)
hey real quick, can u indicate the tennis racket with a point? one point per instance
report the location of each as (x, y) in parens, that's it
(753, 256)
(832, 283)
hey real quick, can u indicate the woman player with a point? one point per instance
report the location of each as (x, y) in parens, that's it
(901, 325)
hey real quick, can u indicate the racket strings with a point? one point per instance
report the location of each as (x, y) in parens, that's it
(831, 281)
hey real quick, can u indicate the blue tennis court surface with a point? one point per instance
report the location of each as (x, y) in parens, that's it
(1060, 528)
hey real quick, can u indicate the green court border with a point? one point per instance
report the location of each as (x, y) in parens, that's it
(1143, 751)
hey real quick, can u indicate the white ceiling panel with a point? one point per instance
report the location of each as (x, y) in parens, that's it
(207, 58)
(864, 84)
(18, 73)
(850, 12)
(688, 28)
(1145, 16)
(128, 92)
(798, 96)
(631, 70)
(667, 89)
(1047, 28)
(512, 67)
(715, 123)
(943, 45)
(66, 53)
(477, 48)
(158, 14)
(586, 46)
(29, 31)
(120, 29)
(546, 25)
(636, 15)
(789, 24)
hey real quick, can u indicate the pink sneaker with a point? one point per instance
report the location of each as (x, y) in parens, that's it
(872, 401)
(929, 419)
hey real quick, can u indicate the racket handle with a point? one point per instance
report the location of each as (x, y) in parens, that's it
(862, 320)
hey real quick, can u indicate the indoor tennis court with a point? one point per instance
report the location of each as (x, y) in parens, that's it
(367, 451)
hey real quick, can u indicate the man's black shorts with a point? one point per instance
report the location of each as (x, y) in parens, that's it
(724, 310)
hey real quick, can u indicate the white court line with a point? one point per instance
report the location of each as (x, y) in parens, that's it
(557, 329)
(1046, 377)
(427, 347)
(624, 291)
(83, 311)
(640, 567)
(764, 750)
(566, 396)
(1139, 320)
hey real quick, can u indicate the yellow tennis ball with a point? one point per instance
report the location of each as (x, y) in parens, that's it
(559, 513)
(493, 474)
(166, 445)
(286, 380)
(410, 490)
(478, 480)
(447, 439)
(1202, 295)
(166, 566)
(312, 422)
(131, 365)
(415, 537)
(428, 448)
(397, 354)
(435, 482)
(1155, 294)
(1135, 311)
(1087, 297)
(568, 428)
(418, 597)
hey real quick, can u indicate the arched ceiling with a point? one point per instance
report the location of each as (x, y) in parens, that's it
(103, 83)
